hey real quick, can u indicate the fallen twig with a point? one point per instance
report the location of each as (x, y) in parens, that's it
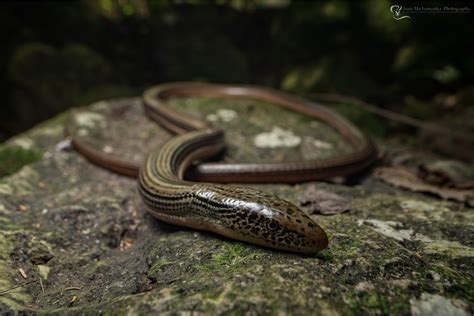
(22, 273)
(16, 286)
(434, 128)
(73, 300)
(71, 288)
(41, 284)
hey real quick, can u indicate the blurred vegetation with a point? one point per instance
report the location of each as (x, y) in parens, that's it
(60, 54)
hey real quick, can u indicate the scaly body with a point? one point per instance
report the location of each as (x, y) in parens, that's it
(240, 213)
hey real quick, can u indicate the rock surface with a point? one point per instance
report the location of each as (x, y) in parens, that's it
(75, 238)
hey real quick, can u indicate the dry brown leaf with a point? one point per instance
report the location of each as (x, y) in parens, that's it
(447, 173)
(403, 178)
(323, 201)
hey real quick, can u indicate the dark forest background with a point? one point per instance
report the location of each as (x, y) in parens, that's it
(59, 54)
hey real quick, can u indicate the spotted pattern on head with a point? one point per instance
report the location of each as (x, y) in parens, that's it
(263, 218)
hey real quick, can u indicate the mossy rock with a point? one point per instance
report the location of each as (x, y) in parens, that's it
(84, 233)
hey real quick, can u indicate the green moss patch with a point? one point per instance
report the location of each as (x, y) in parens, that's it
(12, 158)
(230, 256)
(374, 302)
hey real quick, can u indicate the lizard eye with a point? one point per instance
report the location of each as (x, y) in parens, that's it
(272, 226)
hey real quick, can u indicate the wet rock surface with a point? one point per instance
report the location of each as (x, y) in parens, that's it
(75, 238)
